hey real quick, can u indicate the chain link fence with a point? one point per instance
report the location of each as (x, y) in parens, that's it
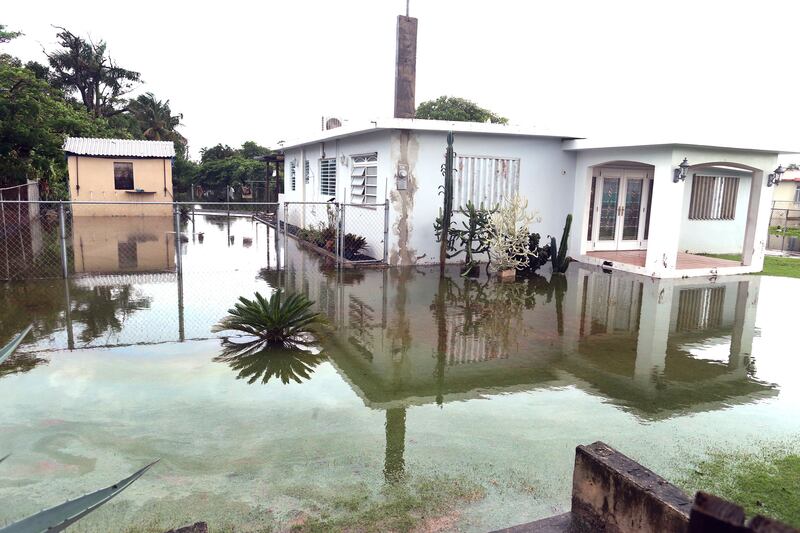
(347, 234)
(784, 228)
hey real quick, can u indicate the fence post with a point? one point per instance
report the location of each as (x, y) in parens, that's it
(785, 227)
(338, 233)
(386, 232)
(178, 258)
(343, 233)
(285, 220)
(62, 230)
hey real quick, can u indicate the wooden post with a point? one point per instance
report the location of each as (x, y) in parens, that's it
(405, 68)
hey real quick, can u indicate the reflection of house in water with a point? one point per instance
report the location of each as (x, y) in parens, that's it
(123, 244)
(663, 348)
(656, 348)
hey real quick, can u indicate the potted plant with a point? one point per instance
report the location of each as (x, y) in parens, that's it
(508, 238)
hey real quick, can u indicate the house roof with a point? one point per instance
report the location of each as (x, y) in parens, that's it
(791, 175)
(419, 125)
(119, 147)
(720, 143)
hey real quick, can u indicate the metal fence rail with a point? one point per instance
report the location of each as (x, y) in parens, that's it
(43, 240)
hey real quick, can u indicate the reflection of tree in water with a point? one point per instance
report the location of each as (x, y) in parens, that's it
(255, 361)
(19, 363)
(104, 310)
(40, 303)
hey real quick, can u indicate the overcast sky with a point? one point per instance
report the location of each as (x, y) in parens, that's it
(268, 71)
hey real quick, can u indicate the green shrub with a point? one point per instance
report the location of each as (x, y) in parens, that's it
(276, 320)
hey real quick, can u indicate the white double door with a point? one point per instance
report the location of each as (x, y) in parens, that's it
(620, 209)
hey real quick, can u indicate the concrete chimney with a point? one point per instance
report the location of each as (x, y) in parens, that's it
(405, 76)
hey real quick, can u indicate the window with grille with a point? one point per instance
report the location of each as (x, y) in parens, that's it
(293, 175)
(797, 194)
(484, 180)
(306, 171)
(713, 198)
(327, 177)
(700, 309)
(364, 179)
(123, 176)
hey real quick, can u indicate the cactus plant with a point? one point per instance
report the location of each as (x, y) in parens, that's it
(559, 253)
(446, 212)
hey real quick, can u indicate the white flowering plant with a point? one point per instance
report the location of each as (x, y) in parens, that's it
(508, 235)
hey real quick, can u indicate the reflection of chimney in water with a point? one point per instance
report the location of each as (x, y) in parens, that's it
(405, 76)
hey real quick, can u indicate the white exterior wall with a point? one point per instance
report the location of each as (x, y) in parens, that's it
(715, 236)
(368, 223)
(546, 180)
(586, 159)
(670, 198)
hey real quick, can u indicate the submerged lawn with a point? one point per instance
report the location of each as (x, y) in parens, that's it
(788, 267)
(430, 504)
(764, 483)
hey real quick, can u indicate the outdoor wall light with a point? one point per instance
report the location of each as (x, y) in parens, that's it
(679, 173)
(775, 177)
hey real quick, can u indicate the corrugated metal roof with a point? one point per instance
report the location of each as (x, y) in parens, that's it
(118, 147)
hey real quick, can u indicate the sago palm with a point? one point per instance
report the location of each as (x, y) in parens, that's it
(257, 362)
(277, 320)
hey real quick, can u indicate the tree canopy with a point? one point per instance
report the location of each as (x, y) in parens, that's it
(34, 120)
(457, 109)
(222, 165)
(7, 35)
(155, 119)
(85, 67)
(82, 92)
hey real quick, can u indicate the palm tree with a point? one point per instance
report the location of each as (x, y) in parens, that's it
(155, 119)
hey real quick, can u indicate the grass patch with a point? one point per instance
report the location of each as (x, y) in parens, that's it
(766, 484)
(780, 231)
(418, 504)
(787, 267)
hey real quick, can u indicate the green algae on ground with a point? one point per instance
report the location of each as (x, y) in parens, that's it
(766, 483)
(417, 504)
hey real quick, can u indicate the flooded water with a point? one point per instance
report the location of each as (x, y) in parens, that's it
(449, 382)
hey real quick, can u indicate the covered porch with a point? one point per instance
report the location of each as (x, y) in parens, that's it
(662, 210)
(685, 261)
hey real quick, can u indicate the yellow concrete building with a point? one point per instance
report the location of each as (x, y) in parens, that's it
(135, 173)
(787, 192)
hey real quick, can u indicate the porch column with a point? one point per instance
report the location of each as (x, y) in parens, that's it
(759, 210)
(744, 324)
(665, 222)
(654, 321)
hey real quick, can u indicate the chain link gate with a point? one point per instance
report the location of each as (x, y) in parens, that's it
(346, 234)
(784, 228)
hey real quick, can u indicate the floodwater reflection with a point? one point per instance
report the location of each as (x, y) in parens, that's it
(653, 347)
(255, 360)
(420, 374)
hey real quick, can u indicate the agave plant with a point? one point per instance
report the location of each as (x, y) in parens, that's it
(8, 349)
(62, 516)
(277, 320)
(255, 361)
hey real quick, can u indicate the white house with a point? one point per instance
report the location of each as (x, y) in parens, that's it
(634, 207)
